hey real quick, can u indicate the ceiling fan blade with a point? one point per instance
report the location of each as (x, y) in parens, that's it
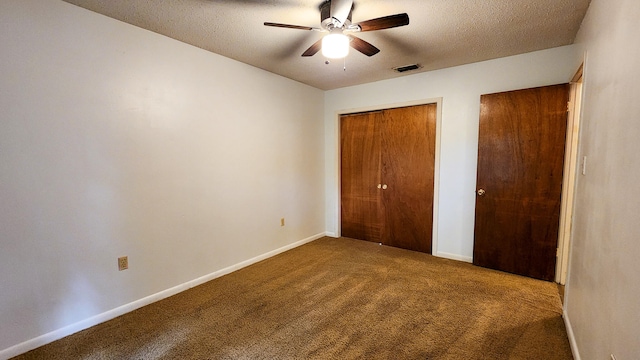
(313, 49)
(385, 22)
(287, 26)
(340, 9)
(363, 46)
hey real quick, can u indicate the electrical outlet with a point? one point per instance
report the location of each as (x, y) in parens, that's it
(282, 222)
(123, 263)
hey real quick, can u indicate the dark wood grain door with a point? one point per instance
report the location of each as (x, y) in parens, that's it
(408, 162)
(519, 181)
(361, 207)
(387, 176)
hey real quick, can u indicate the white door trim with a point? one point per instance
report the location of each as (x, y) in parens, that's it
(569, 178)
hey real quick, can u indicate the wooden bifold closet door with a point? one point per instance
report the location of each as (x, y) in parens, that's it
(387, 172)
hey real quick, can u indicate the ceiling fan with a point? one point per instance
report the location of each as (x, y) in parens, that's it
(335, 18)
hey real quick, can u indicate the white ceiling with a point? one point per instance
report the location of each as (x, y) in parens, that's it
(441, 33)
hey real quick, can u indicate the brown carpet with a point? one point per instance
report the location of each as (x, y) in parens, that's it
(338, 299)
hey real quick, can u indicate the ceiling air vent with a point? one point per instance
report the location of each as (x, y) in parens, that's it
(402, 69)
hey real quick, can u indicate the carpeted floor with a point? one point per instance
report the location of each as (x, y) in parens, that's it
(338, 299)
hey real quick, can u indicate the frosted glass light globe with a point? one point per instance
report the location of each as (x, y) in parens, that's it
(335, 46)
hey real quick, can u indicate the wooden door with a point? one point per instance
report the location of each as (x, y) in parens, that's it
(387, 176)
(519, 181)
(361, 208)
(408, 162)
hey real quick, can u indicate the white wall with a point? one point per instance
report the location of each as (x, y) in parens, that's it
(117, 141)
(603, 287)
(460, 88)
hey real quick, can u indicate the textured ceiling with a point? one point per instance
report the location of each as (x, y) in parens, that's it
(441, 33)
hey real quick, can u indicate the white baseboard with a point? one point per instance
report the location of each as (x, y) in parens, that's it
(571, 336)
(121, 310)
(454, 257)
(251, 261)
(331, 234)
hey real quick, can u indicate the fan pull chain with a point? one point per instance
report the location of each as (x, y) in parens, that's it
(344, 68)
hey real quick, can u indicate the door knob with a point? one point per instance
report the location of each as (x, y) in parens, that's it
(384, 187)
(481, 192)
(379, 186)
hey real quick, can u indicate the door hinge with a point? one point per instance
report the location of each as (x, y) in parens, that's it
(557, 252)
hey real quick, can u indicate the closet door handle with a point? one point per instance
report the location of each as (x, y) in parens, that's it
(379, 186)
(384, 187)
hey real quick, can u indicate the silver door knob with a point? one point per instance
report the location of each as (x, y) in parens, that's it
(481, 192)
(379, 186)
(384, 187)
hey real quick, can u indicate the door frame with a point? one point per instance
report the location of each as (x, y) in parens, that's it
(436, 173)
(570, 175)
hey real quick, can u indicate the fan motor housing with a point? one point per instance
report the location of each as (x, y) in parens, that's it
(326, 21)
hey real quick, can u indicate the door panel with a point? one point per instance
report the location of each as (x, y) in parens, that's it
(387, 176)
(408, 161)
(520, 164)
(360, 168)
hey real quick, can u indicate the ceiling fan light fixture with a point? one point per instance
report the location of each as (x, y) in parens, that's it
(335, 46)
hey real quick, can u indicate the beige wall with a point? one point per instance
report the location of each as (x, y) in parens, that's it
(603, 288)
(117, 141)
